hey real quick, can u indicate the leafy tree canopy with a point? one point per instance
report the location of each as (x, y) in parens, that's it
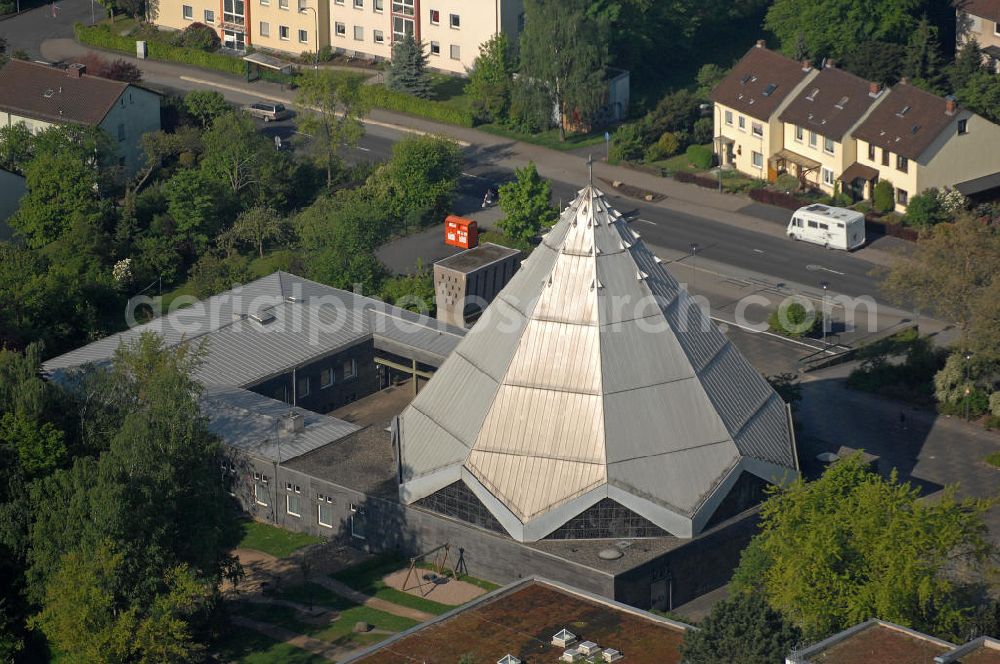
(525, 204)
(332, 112)
(491, 80)
(852, 545)
(741, 630)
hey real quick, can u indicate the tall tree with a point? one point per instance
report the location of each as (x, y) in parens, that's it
(525, 204)
(257, 226)
(418, 184)
(331, 113)
(205, 106)
(237, 154)
(566, 48)
(491, 79)
(830, 28)
(951, 268)
(741, 630)
(923, 58)
(853, 545)
(968, 62)
(981, 94)
(408, 68)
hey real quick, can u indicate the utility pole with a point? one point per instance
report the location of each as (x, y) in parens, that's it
(824, 285)
(694, 254)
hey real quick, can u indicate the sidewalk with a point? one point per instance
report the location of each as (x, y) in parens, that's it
(484, 147)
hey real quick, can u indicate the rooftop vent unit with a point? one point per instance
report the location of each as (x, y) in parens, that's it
(610, 655)
(571, 655)
(588, 648)
(563, 638)
(295, 423)
(769, 90)
(262, 317)
(903, 111)
(295, 299)
(508, 659)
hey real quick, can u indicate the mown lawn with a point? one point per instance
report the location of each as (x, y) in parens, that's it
(367, 578)
(274, 541)
(246, 646)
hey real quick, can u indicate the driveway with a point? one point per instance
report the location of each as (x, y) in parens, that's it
(34, 26)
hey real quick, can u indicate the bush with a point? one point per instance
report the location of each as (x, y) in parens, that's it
(793, 320)
(626, 144)
(778, 198)
(910, 380)
(678, 111)
(787, 183)
(101, 36)
(378, 96)
(700, 156)
(667, 146)
(700, 180)
(883, 197)
(925, 210)
(703, 132)
(197, 36)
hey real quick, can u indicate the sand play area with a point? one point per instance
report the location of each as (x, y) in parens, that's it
(430, 585)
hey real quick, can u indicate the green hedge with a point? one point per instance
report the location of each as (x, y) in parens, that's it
(378, 96)
(101, 36)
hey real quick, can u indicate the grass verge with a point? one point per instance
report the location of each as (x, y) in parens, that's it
(246, 646)
(993, 459)
(340, 632)
(274, 541)
(549, 138)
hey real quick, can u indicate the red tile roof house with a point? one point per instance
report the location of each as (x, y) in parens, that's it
(40, 96)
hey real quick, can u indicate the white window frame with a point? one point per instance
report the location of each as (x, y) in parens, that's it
(378, 36)
(728, 118)
(299, 392)
(455, 52)
(209, 13)
(353, 364)
(454, 21)
(303, 39)
(339, 2)
(359, 33)
(288, 505)
(902, 196)
(757, 157)
(828, 178)
(283, 33)
(435, 48)
(742, 123)
(340, 28)
(319, 515)
(323, 384)
(434, 13)
(359, 4)
(354, 512)
(812, 139)
(264, 29)
(187, 12)
(829, 146)
(800, 134)
(283, 4)
(757, 128)
(378, 6)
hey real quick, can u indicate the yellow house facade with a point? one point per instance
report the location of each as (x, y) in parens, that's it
(746, 107)
(452, 30)
(916, 141)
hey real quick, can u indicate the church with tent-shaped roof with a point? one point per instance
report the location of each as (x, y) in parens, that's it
(593, 399)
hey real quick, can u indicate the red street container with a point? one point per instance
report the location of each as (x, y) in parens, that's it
(461, 232)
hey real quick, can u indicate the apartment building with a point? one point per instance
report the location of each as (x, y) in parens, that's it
(453, 30)
(916, 140)
(748, 103)
(980, 20)
(39, 96)
(818, 147)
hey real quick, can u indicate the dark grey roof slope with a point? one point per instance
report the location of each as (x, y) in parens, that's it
(46, 93)
(268, 326)
(760, 82)
(594, 375)
(832, 103)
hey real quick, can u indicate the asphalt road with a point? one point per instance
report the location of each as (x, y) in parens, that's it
(31, 28)
(785, 261)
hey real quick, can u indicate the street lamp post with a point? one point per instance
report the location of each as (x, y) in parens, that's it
(968, 390)
(694, 254)
(302, 9)
(825, 285)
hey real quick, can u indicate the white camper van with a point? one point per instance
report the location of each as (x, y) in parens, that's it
(832, 227)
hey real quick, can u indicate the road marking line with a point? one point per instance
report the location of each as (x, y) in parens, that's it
(758, 251)
(362, 148)
(647, 221)
(777, 336)
(473, 175)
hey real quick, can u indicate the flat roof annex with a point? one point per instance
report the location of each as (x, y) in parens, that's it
(521, 618)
